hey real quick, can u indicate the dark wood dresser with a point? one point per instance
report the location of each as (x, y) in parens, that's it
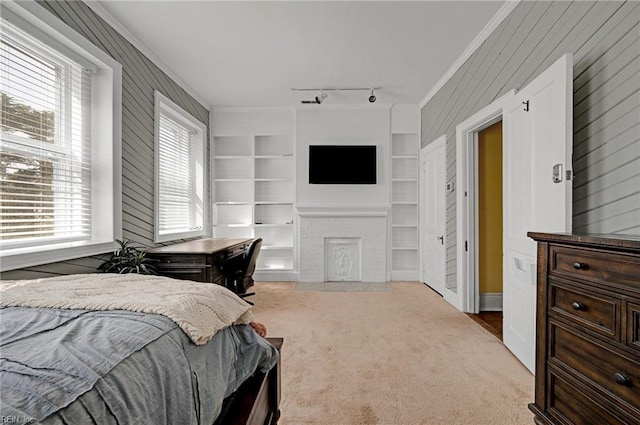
(588, 330)
(201, 260)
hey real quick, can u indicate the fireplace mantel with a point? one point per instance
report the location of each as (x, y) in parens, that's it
(343, 210)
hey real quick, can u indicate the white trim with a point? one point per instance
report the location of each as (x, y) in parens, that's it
(106, 145)
(468, 290)
(252, 109)
(113, 22)
(54, 254)
(404, 276)
(343, 210)
(491, 301)
(347, 106)
(274, 276)
(497, 19)
(166, 105)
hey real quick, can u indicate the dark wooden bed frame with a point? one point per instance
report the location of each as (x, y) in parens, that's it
(257, 401)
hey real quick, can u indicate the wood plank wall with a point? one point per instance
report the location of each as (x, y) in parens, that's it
(140, 77)
(604, 37)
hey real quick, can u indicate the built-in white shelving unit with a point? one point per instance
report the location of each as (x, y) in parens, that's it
(253, 172)
(404, 200)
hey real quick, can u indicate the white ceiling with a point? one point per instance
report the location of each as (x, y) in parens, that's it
(251, 53)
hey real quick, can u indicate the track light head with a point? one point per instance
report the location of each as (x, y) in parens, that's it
(320, 98)
(372, 97)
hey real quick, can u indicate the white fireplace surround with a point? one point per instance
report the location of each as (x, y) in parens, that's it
(363, 225)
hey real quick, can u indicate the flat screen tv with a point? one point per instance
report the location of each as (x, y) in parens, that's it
(342, 164)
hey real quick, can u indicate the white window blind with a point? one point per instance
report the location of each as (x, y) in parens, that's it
(180, 179)
(45, 150)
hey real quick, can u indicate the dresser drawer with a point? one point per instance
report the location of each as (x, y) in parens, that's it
(195, 272)
(577, 263)
(600, 313)
(179, 259)
(633, 325)
(237, 250)
(569, 405)
(613, 372)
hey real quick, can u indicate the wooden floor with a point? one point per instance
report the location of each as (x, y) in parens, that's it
(490, 320)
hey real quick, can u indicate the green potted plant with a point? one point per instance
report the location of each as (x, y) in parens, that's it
(127, 259)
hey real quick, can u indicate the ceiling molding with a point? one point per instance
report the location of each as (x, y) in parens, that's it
(345, 106)
(252, 109)
(497, 19)
(109, 19)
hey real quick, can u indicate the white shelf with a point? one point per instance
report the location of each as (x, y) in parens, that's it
(404, 169)
(273, 145)
(232, 168)
(404, 144)
(404, 205)
(232, 214)
(278, 168)
(404, 157)
(273, 191)
(404, 214)
(224, 146)
(253, 194)
(236, 191)
(232, 232)
(273, 247)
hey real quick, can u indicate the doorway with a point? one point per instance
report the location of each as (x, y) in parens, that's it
(489, 217)
(469, 181)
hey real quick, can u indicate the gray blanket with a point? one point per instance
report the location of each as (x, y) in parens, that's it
(118, 367)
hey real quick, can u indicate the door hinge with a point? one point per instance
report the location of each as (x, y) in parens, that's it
(466, 246)
(526, 106)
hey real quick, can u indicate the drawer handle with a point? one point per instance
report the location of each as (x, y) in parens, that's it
(622, 379)
(578, 306)
(580, 266)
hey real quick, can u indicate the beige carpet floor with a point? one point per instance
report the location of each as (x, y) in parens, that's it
(399, 357)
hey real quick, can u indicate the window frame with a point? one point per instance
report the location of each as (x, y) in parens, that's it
(106, 124)
(165, 106)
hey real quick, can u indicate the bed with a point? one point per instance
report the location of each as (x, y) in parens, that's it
(128, 349)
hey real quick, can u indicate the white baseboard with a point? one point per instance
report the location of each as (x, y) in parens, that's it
(408, 275)
(491, 301)
(310, 277)
(274, 276)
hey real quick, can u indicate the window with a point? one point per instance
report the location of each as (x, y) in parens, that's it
(180, 143)
(57, 142)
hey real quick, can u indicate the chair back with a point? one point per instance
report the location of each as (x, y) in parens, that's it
(251, 256)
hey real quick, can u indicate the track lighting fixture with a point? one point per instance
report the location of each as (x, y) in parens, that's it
(323, 95)
(372, 97)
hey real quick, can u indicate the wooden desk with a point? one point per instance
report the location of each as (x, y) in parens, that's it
(200, 260)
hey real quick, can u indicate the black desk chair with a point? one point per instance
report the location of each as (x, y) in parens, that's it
(239, 275)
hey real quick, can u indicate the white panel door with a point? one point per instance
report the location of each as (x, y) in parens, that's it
(538, 137)
(433, 214)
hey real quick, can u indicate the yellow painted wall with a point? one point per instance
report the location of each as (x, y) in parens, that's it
(490, 208)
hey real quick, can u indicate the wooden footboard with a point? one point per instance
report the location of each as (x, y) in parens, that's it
(257, 401)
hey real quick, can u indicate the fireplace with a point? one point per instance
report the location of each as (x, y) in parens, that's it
(342, 243)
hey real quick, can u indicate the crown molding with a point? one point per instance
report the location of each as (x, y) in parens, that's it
(497, 19)
(113, 22)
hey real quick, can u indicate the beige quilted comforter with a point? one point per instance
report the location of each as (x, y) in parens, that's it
(200, 309)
